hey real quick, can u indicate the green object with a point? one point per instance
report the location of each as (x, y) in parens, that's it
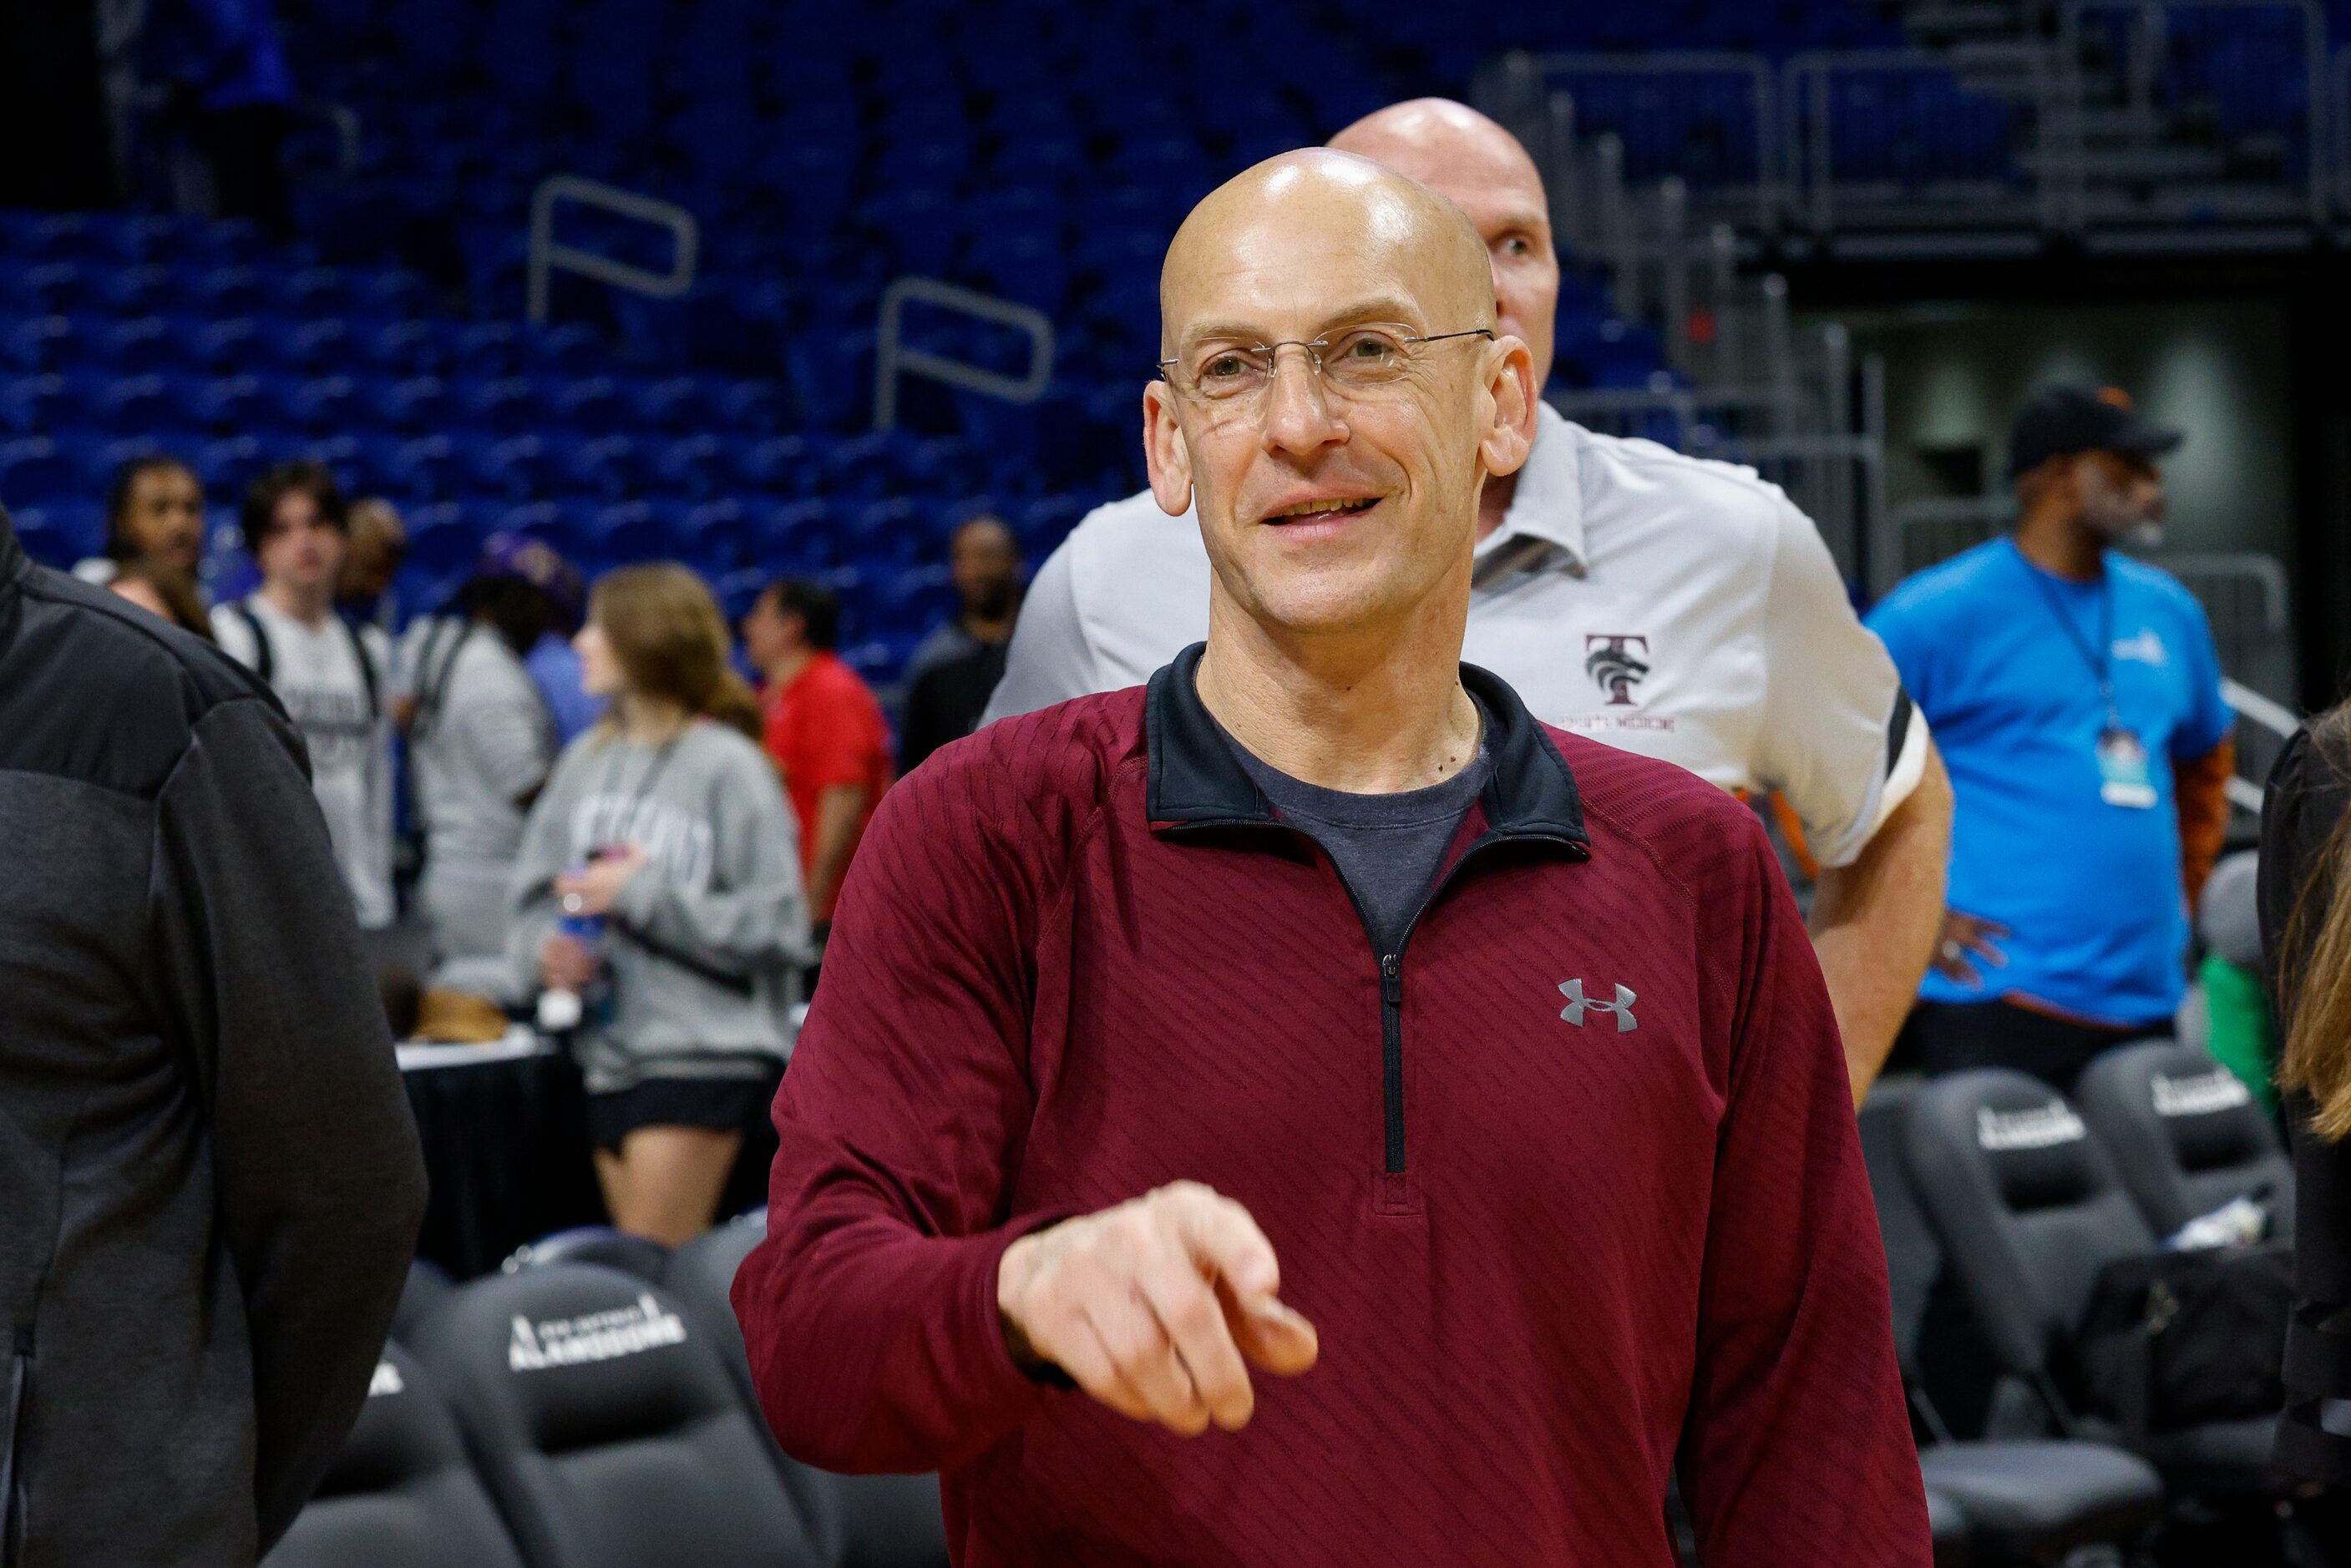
(2243, 1035)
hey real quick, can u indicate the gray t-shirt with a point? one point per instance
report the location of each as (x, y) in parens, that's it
(1387, 848)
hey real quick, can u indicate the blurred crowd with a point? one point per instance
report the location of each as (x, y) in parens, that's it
(499, 772)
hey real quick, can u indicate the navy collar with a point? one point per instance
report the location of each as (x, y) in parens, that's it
(1197, 782)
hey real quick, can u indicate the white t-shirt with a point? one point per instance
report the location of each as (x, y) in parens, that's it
(483, 739)
(1669, 605)
(317, 675)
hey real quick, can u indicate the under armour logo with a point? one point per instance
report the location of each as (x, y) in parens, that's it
(1576, 1006)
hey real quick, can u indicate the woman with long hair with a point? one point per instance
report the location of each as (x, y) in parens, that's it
(659, 883)
(480, 745)
(2305, 911)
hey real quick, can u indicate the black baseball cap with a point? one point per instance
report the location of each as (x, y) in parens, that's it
(2062, 421)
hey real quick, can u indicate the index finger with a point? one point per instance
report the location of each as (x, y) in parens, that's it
(1225, 1243)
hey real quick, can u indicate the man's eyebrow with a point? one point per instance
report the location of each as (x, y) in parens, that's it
(1385, 307)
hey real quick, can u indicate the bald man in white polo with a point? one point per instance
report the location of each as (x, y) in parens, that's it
(1671, 606)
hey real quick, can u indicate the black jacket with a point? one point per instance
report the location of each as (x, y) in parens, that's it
(209, 1180)
(2307, 796)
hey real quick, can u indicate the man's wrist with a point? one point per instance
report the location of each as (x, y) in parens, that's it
(1013, 1271)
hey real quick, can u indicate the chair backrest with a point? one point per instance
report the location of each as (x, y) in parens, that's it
(2027, 1204)
(1914, 1258)
(700, 1274)
(400, 1493)
(858, 1522)
(428, 1286)
(2186, 1134)
(607, 1426)
(614, 1249)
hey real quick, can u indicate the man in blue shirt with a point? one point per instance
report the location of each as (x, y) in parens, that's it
(2076, 694)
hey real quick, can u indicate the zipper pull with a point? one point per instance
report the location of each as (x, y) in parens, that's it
(1392, 980)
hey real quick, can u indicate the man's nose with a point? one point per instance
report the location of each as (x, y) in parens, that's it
(1297, 412)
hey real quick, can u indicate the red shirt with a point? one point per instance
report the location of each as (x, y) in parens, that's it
(825, 729)
(1553, 1251)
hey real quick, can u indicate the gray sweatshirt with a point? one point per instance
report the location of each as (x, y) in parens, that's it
(703, 945)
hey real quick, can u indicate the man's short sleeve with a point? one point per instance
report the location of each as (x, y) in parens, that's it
(841, 734)
(1049, 661)
(1835, 717)
(2209, 719)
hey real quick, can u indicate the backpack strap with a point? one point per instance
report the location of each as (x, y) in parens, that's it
(436, 665)
(265, 661)
(367, 669)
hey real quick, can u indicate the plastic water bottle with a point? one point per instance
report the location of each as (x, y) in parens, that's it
(561, 1011)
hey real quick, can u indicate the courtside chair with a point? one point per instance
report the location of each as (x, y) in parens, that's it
(2024, 1502)
(400, 1492)
(2186, 1135)
(606, 1425)
(2029, 1208)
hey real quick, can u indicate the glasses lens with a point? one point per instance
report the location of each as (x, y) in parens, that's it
(1365, 356)
(1225, 372)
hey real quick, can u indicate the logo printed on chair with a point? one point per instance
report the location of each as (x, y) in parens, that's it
(387, 1380)
(2218, 1090)
(595, 1336)
(2043, 1126)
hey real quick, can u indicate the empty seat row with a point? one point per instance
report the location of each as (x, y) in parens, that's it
(2021, 1197)
(590, 1408)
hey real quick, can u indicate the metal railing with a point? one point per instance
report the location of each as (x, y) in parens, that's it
(1626, 93)
(1814, 425)
(1907, 176)
(2146, 61)
(2059, 131)
(893, 358)
(1928, 533)
(547, 257)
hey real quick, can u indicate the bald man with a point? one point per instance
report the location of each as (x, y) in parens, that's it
(1674, 607)
(1307, 1111)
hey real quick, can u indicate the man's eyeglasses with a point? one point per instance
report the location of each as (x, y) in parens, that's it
(1358, 360)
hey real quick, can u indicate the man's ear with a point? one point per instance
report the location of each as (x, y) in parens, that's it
(1510, 434)
(1165, 454)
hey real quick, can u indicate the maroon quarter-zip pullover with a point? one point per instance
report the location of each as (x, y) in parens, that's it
(1569, 1184)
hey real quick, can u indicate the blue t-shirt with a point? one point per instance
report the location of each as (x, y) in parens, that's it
(2088, 890)
(555, 668)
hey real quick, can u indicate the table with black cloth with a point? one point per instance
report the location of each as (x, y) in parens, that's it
(506, 1150)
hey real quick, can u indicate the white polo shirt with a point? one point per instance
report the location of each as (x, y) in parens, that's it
(1669, 605)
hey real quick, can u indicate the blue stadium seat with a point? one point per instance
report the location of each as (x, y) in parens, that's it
(631, 531)
(36, 469)
(509, 406)
(36, 343)
(442, 541)
(61, 532)
(419, 404)
(690, 465)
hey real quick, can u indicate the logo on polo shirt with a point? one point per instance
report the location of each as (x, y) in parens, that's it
(2143, 647)
(1578, 1005)
(1609, 659)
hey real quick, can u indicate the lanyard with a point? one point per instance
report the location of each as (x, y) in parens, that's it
(645, 784)
(2101, 659)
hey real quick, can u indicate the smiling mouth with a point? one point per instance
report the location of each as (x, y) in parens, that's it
(1321, 511)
